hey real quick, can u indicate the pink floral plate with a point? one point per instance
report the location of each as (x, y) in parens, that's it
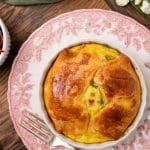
(102, 26)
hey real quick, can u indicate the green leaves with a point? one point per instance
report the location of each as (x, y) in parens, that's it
(138, 8)
(29, 2)
(148, 1)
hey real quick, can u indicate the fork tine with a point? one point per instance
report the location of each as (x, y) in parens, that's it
(35, 126)
(40, 124)
(35, 116)
(34, 132)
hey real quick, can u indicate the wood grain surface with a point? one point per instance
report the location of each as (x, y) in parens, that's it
(129, 11)
(21, 22)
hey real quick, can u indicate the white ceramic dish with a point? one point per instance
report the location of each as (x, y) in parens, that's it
(34, 58)
(6, 42)
(95, 146)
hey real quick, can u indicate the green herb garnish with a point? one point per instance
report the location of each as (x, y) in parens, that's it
(93, 84)
(109, 57)
(102, 102)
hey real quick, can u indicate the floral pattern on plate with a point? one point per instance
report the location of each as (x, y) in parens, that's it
(102, 26)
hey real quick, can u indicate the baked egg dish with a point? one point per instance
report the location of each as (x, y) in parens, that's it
(91, 93)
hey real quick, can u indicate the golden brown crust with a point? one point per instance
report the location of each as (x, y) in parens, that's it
(67, 83)
(117, 78)
(66, 116)
(121, 87)
(112, 121)
(113, 79)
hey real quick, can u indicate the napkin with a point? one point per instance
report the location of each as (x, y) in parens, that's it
(29, 2)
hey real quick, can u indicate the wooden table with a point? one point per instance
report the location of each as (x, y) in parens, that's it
(21, 22)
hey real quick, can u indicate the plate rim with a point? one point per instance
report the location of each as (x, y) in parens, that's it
(38, 29)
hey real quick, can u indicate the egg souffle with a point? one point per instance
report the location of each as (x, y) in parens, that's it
(91, 93)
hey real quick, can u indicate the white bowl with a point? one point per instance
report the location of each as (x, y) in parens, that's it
(97, 146)
(6, 42)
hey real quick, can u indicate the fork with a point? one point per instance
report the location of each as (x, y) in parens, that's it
(35, 125)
